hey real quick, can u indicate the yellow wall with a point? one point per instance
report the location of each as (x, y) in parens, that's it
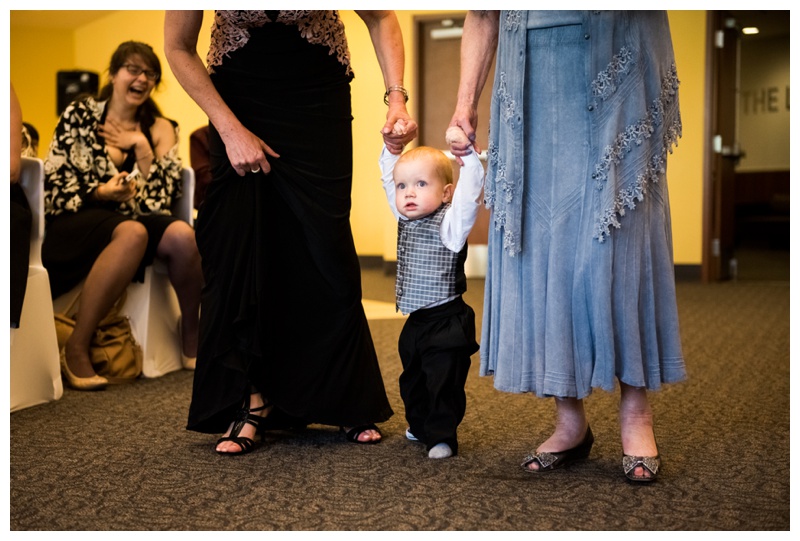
(36, 54)
(374, 228)
(685, 165)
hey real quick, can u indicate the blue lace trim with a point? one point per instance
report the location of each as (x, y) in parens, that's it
(513, 20)
(507, 190)
(607, 80)
(636, 134)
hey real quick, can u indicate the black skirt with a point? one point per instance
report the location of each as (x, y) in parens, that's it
(74, 240)
(281, 306)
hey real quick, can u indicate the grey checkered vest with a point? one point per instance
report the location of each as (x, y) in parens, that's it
(426, 270)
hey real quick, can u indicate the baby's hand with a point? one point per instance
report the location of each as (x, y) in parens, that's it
(400, 127)
(456, 136)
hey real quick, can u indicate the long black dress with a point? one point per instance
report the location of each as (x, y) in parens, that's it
(281, 307)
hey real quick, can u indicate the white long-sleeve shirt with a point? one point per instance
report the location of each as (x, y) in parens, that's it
(460, 217)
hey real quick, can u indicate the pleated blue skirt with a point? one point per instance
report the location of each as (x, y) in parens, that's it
(569, 313)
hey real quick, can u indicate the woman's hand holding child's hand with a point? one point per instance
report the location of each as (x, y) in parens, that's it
(459, 143)
(402, 131)
(456, 136)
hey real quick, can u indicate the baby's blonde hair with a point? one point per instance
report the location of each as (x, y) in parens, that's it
(442, 165)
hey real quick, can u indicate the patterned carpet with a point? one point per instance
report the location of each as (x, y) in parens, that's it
(121, 459)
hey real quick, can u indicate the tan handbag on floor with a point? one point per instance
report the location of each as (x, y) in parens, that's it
(114, 352)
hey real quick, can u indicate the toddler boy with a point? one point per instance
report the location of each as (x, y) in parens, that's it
(435, 345)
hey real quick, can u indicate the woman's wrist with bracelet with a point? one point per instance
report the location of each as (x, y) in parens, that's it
(144, 147)
(395, 88)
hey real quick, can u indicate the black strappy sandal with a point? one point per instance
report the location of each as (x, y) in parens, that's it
(244, 416)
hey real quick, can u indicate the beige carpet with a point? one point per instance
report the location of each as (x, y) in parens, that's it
(121, 459)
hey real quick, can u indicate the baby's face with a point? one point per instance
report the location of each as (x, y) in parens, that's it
(419, 191)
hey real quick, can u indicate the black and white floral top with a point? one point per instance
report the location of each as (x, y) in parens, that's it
(77, 162)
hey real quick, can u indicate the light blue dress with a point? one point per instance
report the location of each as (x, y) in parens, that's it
(580, 289)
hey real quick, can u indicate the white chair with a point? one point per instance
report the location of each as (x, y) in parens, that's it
(152, 306)
(35, 369)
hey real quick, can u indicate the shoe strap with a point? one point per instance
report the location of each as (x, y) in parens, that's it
(245, 416)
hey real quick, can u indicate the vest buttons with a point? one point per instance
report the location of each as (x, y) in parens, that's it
(590, 107)
(586, 36)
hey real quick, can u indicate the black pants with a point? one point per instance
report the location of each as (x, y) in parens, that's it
(435, 347)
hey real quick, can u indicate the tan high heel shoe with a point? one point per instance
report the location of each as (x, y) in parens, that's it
(93, 383)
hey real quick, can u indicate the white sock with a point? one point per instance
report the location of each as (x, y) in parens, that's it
(440, 450)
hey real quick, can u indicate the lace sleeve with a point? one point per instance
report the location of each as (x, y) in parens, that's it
(230, 31)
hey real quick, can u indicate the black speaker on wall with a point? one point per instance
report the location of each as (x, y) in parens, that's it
(72, 84)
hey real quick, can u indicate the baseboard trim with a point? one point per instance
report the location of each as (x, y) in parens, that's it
(688, 273)
(390, 268)
(370, 261)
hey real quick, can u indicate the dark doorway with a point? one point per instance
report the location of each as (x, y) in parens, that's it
(746, 224)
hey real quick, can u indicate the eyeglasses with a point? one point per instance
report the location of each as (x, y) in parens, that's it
(135, 70)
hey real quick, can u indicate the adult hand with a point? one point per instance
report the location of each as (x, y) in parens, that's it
(399, 130)
(116, 189)
(465, 118)
(117, 136)
(247, 152)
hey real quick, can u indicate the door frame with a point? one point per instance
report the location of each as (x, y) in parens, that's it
(720, 124)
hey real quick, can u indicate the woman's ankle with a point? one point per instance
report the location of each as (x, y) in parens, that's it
(78, 360)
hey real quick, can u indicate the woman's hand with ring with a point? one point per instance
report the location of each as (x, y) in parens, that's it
(247, 152)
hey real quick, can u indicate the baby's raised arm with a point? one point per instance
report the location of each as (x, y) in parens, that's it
(459, 220)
